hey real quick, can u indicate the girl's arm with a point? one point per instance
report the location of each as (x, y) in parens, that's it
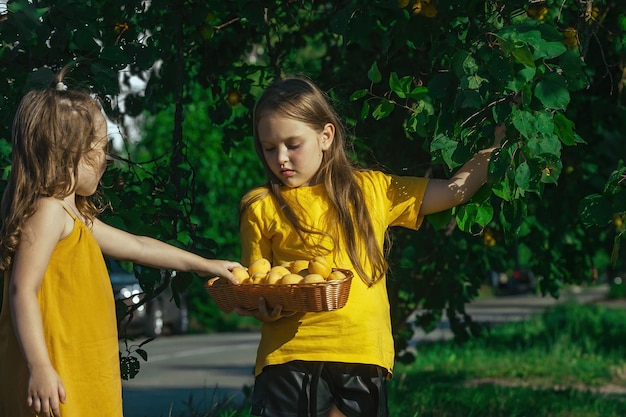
(444, 194)
(41, 233)
(118, 244)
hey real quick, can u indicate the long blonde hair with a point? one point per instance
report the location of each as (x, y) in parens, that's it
(53, 129)
(300, 99)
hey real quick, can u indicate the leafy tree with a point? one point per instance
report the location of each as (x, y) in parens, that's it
(421, 84)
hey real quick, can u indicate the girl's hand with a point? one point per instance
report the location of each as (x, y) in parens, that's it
(45, 392)
(219, 268)
(263, 314)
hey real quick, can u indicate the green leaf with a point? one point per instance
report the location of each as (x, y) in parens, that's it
(440, 220)
(512, 215)
(522, 78)
(548, 50)
(469, 215)
(365, 110)
(464, 64)
(358, 94)
(502, 190)
(499, 163)
(424, 107)
(616, 180)
(83, 40)
(524, 56)
(473, 82)
(400, 86)
(383, 109)
(105, 78)
(564, 129)
(574, 71)
(551, 167)
(538, 129)
(443, 147)
(523, 176)
(374, 74)
(418, 93)
(552, 91)
(595, 210)
(115, 56)
(143, 354)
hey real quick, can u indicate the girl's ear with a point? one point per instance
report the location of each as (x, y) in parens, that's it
(328, 134)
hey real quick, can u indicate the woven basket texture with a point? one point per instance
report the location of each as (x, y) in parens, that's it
(315, 297)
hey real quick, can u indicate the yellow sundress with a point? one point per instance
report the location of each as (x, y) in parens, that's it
(78, 312)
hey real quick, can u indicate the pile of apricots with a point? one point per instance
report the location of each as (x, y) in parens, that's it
(310, 271)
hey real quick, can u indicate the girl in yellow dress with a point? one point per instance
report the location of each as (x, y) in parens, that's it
(58, 336)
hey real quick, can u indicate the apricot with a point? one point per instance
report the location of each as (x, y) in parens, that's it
(292, 279)
(320, 265)
(298, 266)
(240, 273)
(261, 265)
(275, 274)
(258, 278)
(336, 275)
(313, 278)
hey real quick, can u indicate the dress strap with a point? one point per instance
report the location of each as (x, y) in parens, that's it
(69, 210)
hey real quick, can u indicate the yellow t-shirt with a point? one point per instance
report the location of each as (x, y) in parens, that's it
(360, 332)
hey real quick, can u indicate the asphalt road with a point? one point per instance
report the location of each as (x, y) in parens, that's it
(189, 375)
(191, 372)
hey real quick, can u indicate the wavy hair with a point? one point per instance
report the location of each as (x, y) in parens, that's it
(52, 130)
(298, 98)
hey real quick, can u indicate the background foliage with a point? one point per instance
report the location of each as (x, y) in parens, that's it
(421, 84)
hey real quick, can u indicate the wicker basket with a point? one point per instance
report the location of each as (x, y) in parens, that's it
(314, 297)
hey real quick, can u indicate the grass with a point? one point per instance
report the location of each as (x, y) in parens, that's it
(567, 362)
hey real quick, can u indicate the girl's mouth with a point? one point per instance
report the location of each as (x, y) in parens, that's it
(287, 172)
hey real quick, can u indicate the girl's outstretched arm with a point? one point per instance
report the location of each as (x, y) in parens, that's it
(444, 194)
(154, 253)
(41, 233)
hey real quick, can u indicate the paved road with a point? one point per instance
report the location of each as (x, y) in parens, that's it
(196, 371)
(191, 371)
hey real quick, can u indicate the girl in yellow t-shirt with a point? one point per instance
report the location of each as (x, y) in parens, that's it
(316, 203)
(58, 336)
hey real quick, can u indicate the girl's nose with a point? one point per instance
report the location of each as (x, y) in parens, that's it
(282, 155)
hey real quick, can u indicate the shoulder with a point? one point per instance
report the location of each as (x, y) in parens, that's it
(378, 184)
(371, 176)
(50, 218)
(371, 180)
(253, 196)
(49, 206)
(258, 192)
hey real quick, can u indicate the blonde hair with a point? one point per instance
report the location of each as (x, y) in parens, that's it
(53, 129)
(300, 99)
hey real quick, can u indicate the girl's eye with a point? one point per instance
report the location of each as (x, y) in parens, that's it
(268, 149)
(292, 147)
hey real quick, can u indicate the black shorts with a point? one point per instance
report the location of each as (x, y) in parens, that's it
(309, 389)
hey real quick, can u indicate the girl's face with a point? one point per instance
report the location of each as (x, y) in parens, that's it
(93, 164)
(292, 150)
